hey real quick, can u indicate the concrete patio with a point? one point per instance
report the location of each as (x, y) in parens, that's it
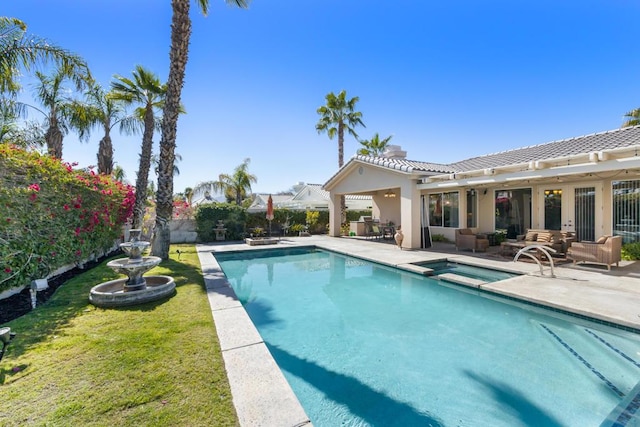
(261, 394)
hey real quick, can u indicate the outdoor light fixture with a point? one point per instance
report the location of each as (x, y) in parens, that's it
(37, 285)
(390, 193)
(5, 336)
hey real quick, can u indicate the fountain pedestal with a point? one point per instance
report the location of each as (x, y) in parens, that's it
(136, 288)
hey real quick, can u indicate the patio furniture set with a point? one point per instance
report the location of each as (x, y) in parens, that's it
(605, 251)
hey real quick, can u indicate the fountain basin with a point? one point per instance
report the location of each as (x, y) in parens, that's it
(134, 269)
(113, 294)
(134, 249)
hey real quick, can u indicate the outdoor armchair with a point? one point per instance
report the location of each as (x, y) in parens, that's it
(465, 239)
(606, 251)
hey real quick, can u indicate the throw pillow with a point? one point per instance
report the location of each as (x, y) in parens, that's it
(544, 237)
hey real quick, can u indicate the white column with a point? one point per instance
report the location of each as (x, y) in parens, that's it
(410, 214)
(334, 215)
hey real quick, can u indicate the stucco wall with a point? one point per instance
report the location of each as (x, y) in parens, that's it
(183, 231)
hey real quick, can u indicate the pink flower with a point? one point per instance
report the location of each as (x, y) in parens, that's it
(34, 187)
(66, 207)
(7, 270)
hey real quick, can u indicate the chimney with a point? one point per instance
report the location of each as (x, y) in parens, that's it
(394, 152)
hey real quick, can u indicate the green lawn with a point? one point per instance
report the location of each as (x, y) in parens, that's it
(156, 364)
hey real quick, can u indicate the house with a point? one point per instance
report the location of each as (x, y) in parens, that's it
(260, 202)
(589, 185)
(308, 196)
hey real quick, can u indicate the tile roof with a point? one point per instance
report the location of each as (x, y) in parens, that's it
(325, 194)
(405, 165)
(609, 140)
(618, 138)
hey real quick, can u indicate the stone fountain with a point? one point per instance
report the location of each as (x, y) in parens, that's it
(136, 288)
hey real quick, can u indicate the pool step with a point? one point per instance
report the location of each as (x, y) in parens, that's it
(462, 280)
(600, 354)
(426, 271)
(626, 413)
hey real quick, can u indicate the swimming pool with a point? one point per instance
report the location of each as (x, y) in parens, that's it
(364, 344)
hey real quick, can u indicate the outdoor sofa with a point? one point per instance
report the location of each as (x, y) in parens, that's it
(558, 240)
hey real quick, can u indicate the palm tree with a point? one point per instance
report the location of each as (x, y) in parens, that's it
(178, 56)
(19, 50)
(101, 109)
(188, 195)
(59, 105)
(155, 161)
(235, 187)
(145, 90)
(633, 118)
(118, 173)
(28, 136)
(337, 116)
(374, 147)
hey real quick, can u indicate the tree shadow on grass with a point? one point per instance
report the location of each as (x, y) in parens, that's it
(515, 402)
(72, 299)
(372, 406)
(68, 301)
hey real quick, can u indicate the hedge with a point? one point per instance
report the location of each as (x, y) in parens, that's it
(52, 215)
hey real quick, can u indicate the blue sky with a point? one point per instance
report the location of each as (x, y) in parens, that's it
(449, 80)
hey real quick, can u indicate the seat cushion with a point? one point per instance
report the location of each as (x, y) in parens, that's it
(531, 236)
(602, 240)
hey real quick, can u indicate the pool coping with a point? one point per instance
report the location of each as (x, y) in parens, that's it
(261, 394)
(251, 369)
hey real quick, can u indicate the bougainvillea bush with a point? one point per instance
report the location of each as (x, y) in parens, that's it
(52, 215)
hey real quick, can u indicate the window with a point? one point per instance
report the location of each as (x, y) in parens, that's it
(626, 210)
(443, 209)
(472, 209)
(513, 211)
(552, 209)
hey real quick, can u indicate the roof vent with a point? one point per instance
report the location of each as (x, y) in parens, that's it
(394, 152)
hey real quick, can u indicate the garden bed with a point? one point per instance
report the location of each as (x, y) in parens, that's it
(19, 304)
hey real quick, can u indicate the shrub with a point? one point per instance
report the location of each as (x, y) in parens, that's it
(281, 216)
(182, 210)
(631, 251)
(354, 215)
(439, 238)
(312, 218)
(296, 228)
(52, 215)
(233, 216)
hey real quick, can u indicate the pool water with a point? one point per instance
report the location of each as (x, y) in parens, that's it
(485, 274)
(362, 344)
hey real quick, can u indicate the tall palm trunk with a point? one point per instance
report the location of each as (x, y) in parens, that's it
(343, 202)
(105, 154)
(178, 55)
(53, 137)
(142, 181)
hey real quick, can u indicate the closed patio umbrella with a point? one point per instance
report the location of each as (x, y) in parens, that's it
(270, 212)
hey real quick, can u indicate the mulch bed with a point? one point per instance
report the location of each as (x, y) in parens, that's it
(20, 303)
